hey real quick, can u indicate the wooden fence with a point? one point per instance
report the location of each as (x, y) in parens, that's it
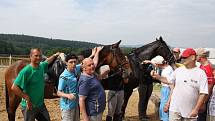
(8, 60)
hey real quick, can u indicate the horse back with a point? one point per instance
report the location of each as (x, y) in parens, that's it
(13, 70)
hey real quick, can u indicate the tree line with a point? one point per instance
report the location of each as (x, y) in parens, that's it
(21, 44)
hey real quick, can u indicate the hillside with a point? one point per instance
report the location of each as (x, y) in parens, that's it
(21, 44)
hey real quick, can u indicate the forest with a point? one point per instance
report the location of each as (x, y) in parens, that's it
(14, 44)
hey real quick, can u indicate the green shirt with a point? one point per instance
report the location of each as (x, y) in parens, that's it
(31, 81)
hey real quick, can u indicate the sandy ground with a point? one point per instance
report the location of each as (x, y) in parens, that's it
(54, 110)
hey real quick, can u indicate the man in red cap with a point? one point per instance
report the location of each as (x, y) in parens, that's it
(190, 88)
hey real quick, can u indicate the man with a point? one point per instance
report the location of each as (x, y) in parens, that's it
(68, 89)
(190, 88)
(167, 70)
(29, 85)
(91, 93)
(176, 51)
(115, 96)
(202, 56)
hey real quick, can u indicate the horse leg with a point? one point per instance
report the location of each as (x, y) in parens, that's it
(127, 94)
(12, 102)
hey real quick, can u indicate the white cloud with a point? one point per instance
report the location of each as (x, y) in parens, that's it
(181, 22)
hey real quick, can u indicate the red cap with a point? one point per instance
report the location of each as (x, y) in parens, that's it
(176, 50)
(188, 52)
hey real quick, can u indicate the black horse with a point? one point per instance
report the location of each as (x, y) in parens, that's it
(140, 71)
(110, 55)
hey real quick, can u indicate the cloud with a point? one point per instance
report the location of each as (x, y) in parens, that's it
(180, 22)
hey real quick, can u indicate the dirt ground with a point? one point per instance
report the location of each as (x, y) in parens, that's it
(54, 110)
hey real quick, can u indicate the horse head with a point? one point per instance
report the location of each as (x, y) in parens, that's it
(112, 55)
(165, 52)
(147, 52)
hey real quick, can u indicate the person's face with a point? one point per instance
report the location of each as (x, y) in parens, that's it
(176, 54)
(199, 59)
(71, 64)
(187, 60)
(36, 56)
(88, 66)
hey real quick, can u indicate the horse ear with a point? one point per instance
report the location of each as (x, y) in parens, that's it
(161, 38)
(116, 45)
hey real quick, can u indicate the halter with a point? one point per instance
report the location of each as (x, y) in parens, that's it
(120, 68)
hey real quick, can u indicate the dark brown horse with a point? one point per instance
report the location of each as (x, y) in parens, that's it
(141, 72)
(110, 55)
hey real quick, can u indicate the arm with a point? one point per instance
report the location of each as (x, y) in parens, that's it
(69, 96)
(96, 57)
(21, 94)
(199, 103)
(160, 78)
(148, 62)
(210, 90)
(166, 107)
(52, 58)
(83, 108)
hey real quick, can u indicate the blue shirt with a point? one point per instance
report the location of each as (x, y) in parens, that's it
(68, 84)
(91, 87)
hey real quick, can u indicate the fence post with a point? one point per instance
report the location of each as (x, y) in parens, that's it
(10, 60)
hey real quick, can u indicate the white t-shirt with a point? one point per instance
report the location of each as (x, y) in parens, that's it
(189, 83)
(166, 72)
(211, 104)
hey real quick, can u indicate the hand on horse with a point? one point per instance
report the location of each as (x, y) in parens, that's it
(57, 54)
(71, 96)
(154, 74)
(146, 62)
(99, 48)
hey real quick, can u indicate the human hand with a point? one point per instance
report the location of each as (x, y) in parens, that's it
(194, 113)
(57, 54)
(28, 101)
(71, 96)
(146, 62)
(99, 48)
(86, 118)
(166, 108)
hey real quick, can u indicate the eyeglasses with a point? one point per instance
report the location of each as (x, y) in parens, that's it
(175, 52)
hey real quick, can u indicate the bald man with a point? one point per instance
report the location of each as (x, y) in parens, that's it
(91, 93)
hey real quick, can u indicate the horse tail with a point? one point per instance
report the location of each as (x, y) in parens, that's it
(7, 98)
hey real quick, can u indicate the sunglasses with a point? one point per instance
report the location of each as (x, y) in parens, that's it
(184, 57)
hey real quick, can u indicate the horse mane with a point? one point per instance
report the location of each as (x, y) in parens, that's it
(86, 53)
(147, 46)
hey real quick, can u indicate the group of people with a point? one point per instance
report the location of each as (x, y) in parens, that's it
(187, 93)
(79, 89)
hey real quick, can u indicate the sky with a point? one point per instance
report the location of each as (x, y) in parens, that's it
(181, 23)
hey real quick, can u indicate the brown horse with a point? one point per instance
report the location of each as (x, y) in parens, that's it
(110, 55)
